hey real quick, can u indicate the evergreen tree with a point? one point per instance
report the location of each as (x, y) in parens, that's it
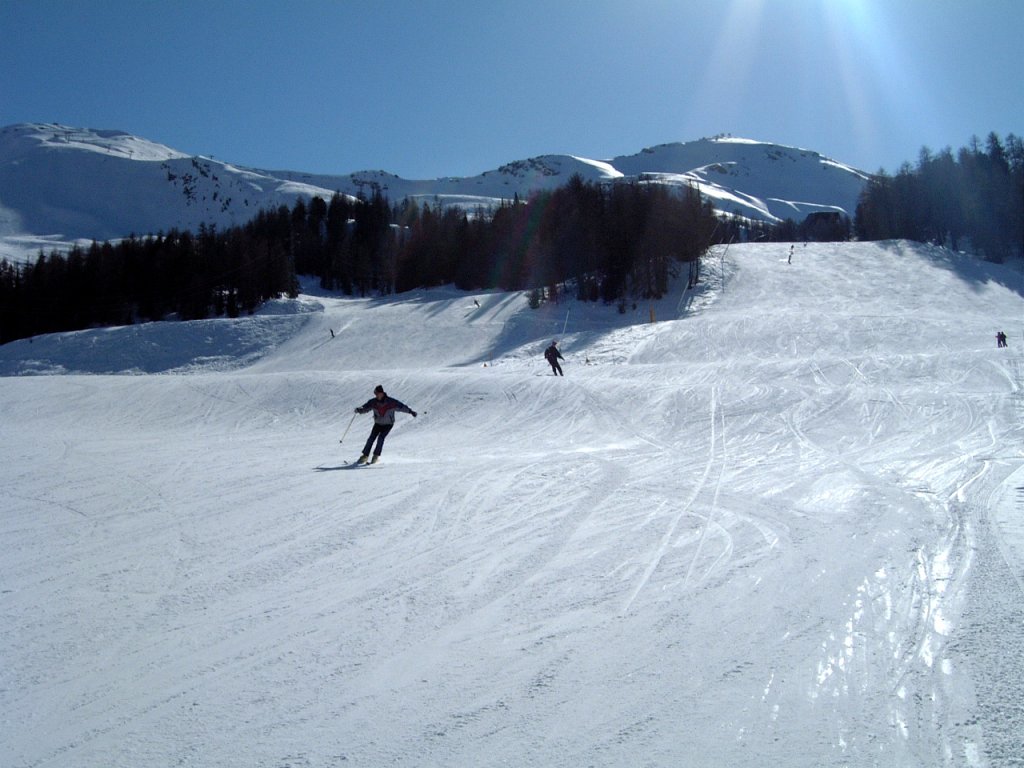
(978, 196)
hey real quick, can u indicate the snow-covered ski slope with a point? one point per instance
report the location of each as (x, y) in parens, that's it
(782, 525)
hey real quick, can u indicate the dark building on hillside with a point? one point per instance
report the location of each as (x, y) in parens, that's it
(823, 226)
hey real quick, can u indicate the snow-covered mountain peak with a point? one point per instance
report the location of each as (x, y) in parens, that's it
(62, 137)
(564, 167)
(681, 157)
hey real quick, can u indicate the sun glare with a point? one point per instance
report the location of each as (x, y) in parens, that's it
(842, 62)
(876, 71)
(732, 64)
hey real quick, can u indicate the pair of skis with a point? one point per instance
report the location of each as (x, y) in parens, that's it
(358, 463)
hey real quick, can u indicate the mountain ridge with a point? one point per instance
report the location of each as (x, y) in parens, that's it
(104, 184)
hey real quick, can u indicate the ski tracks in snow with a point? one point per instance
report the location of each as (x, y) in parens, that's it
(716, 458)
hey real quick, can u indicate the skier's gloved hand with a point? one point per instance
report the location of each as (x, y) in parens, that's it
(414, 414)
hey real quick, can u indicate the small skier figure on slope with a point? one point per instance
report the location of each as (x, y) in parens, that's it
(552, 355)
(383, 408)
(1000, 339)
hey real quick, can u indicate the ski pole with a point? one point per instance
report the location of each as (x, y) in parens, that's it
(347, 428)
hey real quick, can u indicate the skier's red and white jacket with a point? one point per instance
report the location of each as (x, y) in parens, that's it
(384, 409)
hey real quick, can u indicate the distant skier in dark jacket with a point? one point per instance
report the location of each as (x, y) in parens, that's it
(552, 355)
(384, 409)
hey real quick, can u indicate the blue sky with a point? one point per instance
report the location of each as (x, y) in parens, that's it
(427, 89)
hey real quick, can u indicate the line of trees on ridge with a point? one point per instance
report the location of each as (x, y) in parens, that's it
(974, 200)
(608, 241)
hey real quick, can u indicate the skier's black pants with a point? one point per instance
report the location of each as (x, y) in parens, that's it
(556, 369)
(378, 433)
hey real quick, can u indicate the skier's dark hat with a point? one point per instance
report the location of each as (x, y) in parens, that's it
(377, 389)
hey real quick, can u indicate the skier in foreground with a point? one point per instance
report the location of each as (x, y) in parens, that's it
(383, 408)
(552, 355)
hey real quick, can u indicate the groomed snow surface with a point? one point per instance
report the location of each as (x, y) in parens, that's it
(780, 526)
